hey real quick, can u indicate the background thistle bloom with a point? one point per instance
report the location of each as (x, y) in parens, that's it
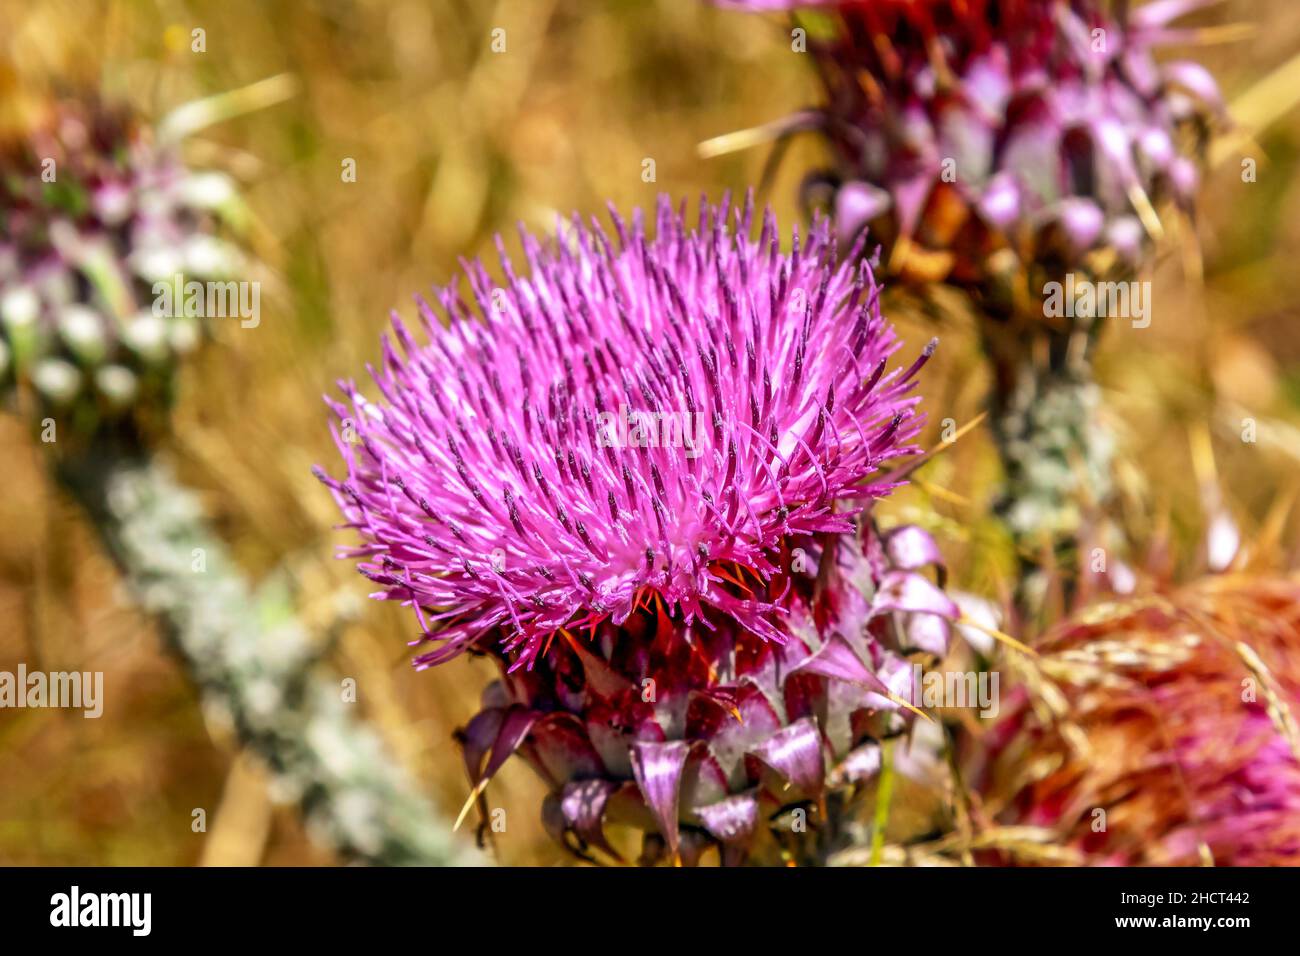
(997, 145)
(94, 213)
(649, 599)
(1175, 716)
(1000, 147)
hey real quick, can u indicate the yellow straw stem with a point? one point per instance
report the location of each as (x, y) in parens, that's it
(1260, 107)
(469, 802)
(195, 115)
(742, 139)
(994, 633)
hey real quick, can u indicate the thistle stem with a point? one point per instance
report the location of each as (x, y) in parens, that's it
(1056, 452)
(252, 661)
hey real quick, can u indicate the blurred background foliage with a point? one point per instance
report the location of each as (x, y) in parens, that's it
(452, 144)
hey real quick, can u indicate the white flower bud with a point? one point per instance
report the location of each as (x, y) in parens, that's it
(146, 335)
(117, 384)
(82, 328)
(209, 190)
(156, 263)
(19, 307)
(58, 381)
(183, 334)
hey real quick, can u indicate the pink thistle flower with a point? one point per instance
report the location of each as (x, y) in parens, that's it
(490, 483)
(642, 462)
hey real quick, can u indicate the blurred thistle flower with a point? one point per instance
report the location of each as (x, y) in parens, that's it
(1159, 731)
(999, 148)
(95, 211)
(998, 145)
(696, 621)
(101, 219)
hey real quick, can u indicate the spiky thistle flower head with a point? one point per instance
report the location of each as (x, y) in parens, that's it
(634, 479)
(631, 415)
(1163, 730)
(95, 211)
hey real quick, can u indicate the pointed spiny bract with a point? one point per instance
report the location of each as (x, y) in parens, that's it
(702, 737)
(622, 419)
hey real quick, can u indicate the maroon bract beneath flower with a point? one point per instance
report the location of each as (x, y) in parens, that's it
(625, 420)
(706, 735)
